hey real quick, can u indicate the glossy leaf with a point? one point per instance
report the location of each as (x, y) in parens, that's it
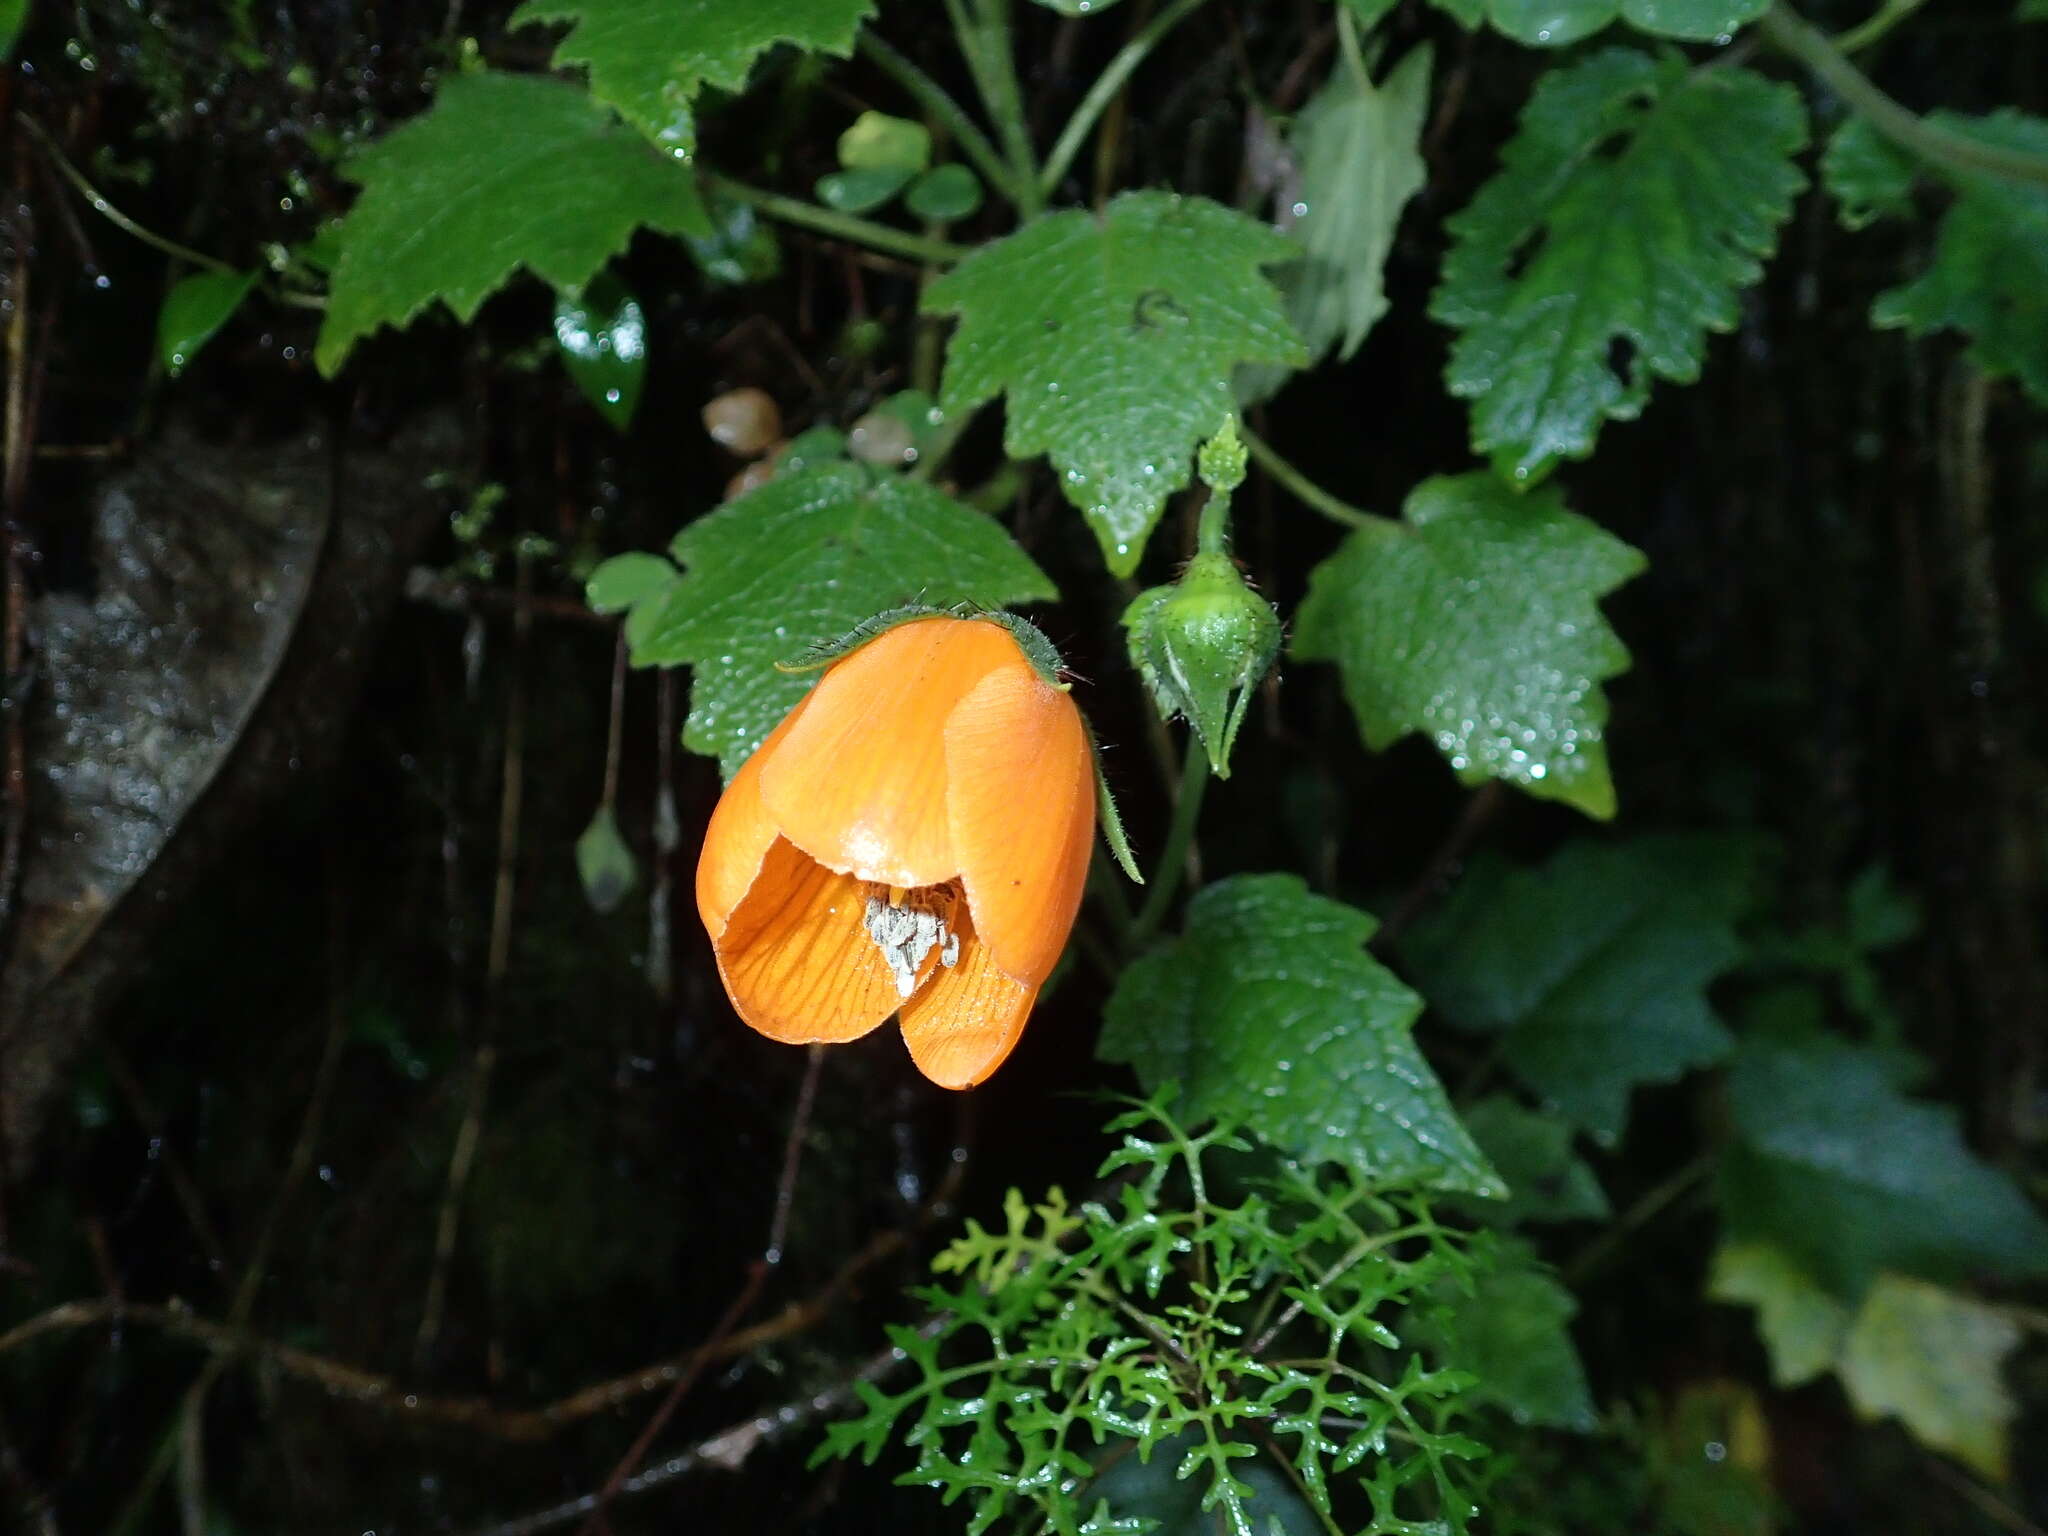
(649, 57)
(944, 193)
(1563, 324)
(1475, 620)
(1546, 1179)
(740, 247)
(1550, 23)
(1557, 23)
(1934, 1359)
(504, 172)
(803, 559)
(1358, 150)
(1835, 1165)
(602, 336)
(1594, 965)
(1989, 277)
(1114, 336)
(1267, 1011)
(196, 308)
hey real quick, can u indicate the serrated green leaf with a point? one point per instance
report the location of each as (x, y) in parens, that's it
(604, 862)
(648, 57)
(1114, 336)
(624, 580)
(1832, 1163)
(1476, 621)
(1546, 1179)
(944, 193)
(503, 172)
(1932, 1359)
(1595, 965)
(1867, 175)
(1358, 149)
(602, 336)
(805, 558)
(194, 310)
(1989, 277)
(1514, 1333)
(1802, 1325)
(1565, 316)
(1269, 1013)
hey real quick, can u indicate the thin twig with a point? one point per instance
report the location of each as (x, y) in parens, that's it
(498, 961)
(1107, 87)
(936, 100)
(108, 211)
(1652, 1201)
(1485, 804)
(845, 226)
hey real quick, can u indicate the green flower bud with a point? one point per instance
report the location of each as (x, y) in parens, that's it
(1201, 645)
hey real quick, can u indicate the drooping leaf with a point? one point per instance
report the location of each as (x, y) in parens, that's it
(1802, 1325)
(1114, 337)
(1595, 965)
(1932, 1358)
(604, 862)
(1835, 1165)
(1567, 315)
(602, 336)
(194, 310)
(1514, 1333)
(1268, 1012)
(1868, 176)
(1475, 620)
(1989, 277)
(805, 558)
(648, 57)
(1357, 145)
(1546, 1179)
(504, 172)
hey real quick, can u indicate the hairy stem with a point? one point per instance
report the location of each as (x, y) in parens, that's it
(1180, 837)
(1304, 489)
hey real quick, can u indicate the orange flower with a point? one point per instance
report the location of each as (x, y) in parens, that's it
(911, 839)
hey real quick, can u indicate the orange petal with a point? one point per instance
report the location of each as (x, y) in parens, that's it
(965, 1019)
(860, 781)
(1020, 796)
(796, 958)
(738, 836)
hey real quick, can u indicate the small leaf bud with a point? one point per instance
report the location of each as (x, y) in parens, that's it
(1201, 645)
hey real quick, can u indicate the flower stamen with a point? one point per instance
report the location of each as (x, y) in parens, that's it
(907, 926)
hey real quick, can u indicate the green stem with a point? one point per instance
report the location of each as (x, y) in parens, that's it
(934, 98)
(1104, 91)
(1785, 30)
(1888, 15)
(829, 221)
(982, 28)
(113, 215)
(1654, 1200)
(1305, 490)
(1212, 528)
(1173, 861)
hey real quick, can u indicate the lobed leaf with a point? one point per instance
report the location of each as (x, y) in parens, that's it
(1476, 620)
(1595, 965)
(503, 172)
(805, 558)
(1269, 1013)
(1566, 315)
(1112, 337)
